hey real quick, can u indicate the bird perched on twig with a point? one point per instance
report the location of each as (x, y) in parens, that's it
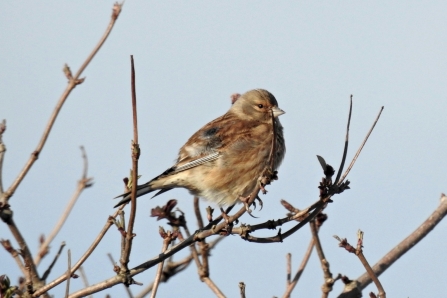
(223, 160)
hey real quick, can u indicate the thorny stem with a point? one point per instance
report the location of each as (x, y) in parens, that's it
(83, 183)
(72, 83)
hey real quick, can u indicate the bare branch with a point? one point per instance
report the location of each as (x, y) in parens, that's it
(197, 213)
(399, 250)
(345, 150)
(83, 183)
(129, 292)
(213, 287)
(172, 268)
(72, 83)
(67, 289)
(135, 156)
(92, 247)
(300, 270)
(47, 272)
(242, 289)
(328, 280)
(84, 278)
(33, 275)
(360, 149)
(2, 153)
(166, 241)
(14, 253)
(359, 253)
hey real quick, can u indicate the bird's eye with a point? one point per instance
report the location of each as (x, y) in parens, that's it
(260, 106)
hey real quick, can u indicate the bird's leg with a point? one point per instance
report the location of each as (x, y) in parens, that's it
(229, 225)
(267, 177)
(245, 200)
(224, 215)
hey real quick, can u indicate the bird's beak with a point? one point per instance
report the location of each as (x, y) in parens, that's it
(277, 112)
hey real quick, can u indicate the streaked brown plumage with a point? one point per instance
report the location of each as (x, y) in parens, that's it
(223, 160)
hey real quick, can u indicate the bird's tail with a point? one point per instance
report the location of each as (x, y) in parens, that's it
(141, 190)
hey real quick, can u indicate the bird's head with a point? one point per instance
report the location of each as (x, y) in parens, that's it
(257, 104)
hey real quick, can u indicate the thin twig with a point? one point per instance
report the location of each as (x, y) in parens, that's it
(197, 213)
(359, 253)
(213, 287)
(345, 150)
(360, 149)
(48, 271)
(405, 245)
(84, 257)
(67, 289)
(194, 254)
(209, 230)
(242, 289)
(172, 268)
(328, 280)
(300, 270)
(166, 242)
(289, 268)
(129, 292)
(2, 153)
(25, 252)
(72, 83)
(84, 278)
(135, 155)
(83, 183)
(372, 275)
(14, 253)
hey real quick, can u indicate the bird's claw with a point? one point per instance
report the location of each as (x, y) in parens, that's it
(267, 177)
(245, 200)
(260, 202)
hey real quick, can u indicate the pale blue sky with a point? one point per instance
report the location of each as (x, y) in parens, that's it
(190, 57)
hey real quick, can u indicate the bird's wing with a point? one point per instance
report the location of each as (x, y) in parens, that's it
(212, 141)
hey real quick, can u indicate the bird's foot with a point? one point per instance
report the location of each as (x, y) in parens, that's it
(225, 215)
(229, 225)
(261, 204)
(245, 201)
(267, 177)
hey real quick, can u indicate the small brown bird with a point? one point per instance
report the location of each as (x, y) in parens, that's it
(223, 160)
